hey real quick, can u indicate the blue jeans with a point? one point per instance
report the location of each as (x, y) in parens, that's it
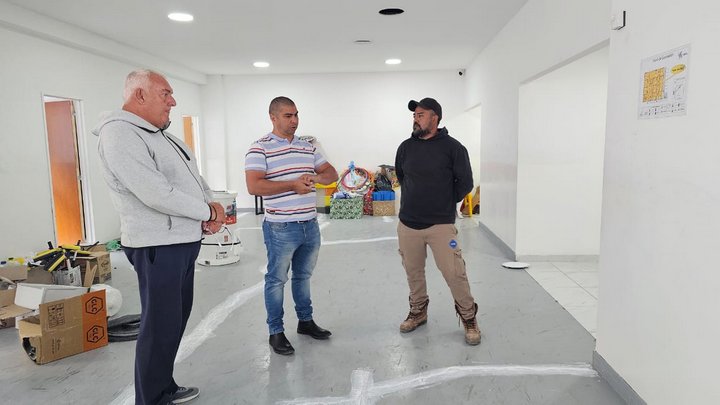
(295, 244)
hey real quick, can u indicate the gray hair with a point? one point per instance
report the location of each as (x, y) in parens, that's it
(137, 79)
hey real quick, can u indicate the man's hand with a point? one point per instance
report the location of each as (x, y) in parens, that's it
(211, 227)
(219, 211)
(303, 184)
(309, 178)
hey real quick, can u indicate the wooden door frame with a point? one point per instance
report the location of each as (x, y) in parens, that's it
(197, 150)
(80, 134)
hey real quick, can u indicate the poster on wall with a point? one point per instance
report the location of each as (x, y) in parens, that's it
(663, 83)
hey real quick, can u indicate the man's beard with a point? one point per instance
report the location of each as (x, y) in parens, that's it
(419, 132)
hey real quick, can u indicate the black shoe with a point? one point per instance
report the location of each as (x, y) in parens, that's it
(184, 394)
(281, 345)
(310, 328)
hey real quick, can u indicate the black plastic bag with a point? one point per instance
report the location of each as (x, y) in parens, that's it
(382, 183)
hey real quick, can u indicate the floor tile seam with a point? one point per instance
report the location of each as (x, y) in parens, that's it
(572, 279)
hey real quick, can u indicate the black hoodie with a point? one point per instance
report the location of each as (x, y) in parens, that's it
(435, 175)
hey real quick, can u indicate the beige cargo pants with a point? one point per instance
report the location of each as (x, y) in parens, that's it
(442, 239)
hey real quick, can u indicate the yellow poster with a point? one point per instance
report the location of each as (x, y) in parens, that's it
(664, 84)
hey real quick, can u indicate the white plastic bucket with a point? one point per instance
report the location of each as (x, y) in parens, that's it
(219, 249)
(227, 200)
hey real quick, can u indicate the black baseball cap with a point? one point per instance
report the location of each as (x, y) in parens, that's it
(428, 104)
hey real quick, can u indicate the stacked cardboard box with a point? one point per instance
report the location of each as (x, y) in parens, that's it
(98, 259)
(53, 321)
(11, 274)
(383, 203)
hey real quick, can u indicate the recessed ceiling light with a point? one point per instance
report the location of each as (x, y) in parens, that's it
(261, 64)
(363, 41)
(391, 11)
(182, 17)
(393, 61)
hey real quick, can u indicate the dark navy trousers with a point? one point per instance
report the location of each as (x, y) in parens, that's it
(165, 277)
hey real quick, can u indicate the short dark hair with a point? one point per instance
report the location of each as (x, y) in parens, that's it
(277, 102)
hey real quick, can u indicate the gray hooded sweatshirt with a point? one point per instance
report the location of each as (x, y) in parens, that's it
(154, 182)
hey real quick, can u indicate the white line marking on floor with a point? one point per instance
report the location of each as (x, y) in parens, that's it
(365, 392)
(219, 313)
(203, 331)
(350, 241)
(212, 320)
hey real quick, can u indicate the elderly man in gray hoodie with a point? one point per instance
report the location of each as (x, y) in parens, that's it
(164, 208)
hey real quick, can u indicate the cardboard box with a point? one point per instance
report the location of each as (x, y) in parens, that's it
(14, 272)
(101, 260)
(38, 275)
(7, 297)
(97, 248)
(8, 310)
(65, 327)
(383, 208)
(31, 296)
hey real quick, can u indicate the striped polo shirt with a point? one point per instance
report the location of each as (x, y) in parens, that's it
(282, 160)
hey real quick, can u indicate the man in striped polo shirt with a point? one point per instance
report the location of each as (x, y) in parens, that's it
(283, 170)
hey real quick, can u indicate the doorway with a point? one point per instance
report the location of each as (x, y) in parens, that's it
(192, 138)
(66, 171)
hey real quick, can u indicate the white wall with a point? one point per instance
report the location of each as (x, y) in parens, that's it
(466, 127)
(30, 68)
(560, 154)
(658, 313)
(354, 116)
(544, 34)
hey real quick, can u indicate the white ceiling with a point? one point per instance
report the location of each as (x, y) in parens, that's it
(295, 36)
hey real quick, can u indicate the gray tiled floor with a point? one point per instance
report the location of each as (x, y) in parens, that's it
(360, 293)
(575, 287)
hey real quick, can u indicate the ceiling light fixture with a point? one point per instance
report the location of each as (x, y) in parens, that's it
(261, 64)
(363, 41)
(393, 61)
(181, 17)
(391, 11)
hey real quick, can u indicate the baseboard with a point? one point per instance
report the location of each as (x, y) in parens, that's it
(506, 250)
(616, 382)
(559, 258)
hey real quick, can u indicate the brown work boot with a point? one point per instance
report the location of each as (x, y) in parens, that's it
(416, 317)
(472, 332)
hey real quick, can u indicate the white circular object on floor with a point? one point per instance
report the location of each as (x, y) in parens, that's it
(113, 298)
(515, 265)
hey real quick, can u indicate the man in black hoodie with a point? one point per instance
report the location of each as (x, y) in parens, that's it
(434, 173)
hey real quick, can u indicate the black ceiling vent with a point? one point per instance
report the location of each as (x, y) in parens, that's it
(391, 11)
